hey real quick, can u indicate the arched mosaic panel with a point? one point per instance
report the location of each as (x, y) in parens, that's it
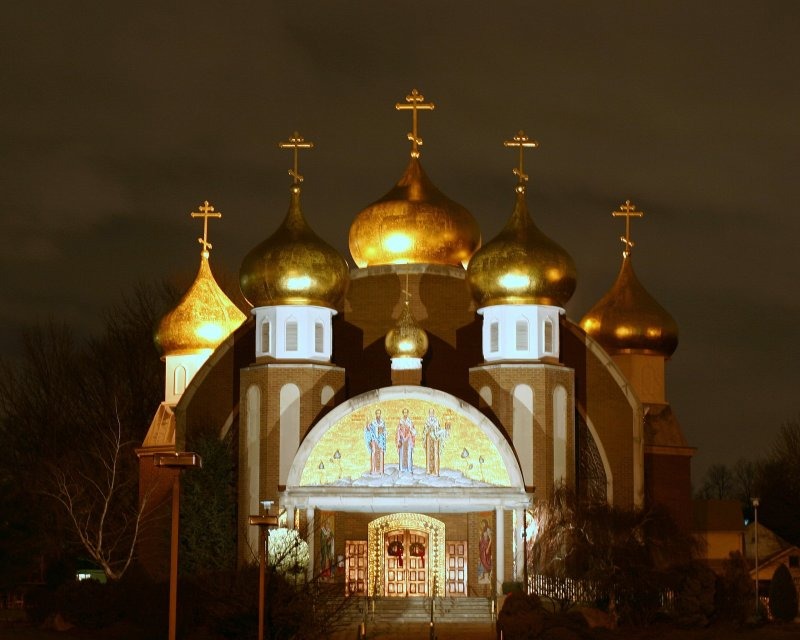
(405, 442)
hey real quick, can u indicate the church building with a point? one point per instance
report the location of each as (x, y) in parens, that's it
(403, 410)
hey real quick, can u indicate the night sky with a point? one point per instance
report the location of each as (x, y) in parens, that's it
(118, 119)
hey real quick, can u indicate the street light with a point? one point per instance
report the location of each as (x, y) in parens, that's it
(264, 524)
(755, 509)
(177, 461)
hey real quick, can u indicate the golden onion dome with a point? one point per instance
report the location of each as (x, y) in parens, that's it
(628, 319)
(202, 319)
(407, 339)
(521, 265)
(294, 266)
(414, 223)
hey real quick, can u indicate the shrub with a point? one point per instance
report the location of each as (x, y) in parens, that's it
(735, 594)
(88, 603)
(783, 595)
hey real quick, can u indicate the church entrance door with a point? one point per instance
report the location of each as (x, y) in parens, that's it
(405, 558)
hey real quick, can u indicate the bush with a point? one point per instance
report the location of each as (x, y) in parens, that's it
(88, 603)
(783, 595)
(735, 595)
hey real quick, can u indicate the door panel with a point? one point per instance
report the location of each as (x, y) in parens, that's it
(355, 567)
(405, 575)
(456, 576)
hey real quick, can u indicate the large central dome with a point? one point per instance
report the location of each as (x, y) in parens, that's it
(414, 223)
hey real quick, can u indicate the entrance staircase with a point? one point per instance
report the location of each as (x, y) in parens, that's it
(416, 610)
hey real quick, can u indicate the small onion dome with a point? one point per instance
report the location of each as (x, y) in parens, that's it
(629, 320)
(294, 266)
(203, 318)
(414, 223)
(521, 266)
(407, 339)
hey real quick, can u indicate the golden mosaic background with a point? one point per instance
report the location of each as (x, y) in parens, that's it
(342, 455)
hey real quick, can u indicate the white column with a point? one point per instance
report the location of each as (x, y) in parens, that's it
(519, 545)
(500, 547)
(312, 559)
(290, 517)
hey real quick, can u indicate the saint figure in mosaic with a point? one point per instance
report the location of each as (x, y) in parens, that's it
(435, 436)
(406, 438)
(375, 439)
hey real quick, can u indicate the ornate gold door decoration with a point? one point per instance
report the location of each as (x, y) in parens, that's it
(406, 556)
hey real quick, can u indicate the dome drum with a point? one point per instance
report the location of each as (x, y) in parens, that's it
(521, 332)
(290, 332)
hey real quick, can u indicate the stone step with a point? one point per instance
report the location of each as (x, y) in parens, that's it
(402, 610)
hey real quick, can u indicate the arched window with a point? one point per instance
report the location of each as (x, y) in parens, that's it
(265, 337)
(523, 438)
(251, 457)
(179, 380)
(522, 335)
(291, 335)
(548, 336)
(289, 429)
(319, 337)
(559, 434)
(494, 337)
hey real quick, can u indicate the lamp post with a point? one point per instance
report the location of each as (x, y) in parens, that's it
(264, 524)
(755, 510)
(176, 461)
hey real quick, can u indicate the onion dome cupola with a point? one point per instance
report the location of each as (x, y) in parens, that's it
(521, 281)
(295, 281)
(627, 319)
(203, 318)
(414, 223)
(407, 343)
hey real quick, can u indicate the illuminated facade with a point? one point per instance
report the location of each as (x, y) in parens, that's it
(403, 414)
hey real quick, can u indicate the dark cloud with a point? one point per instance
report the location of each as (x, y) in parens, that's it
(117, 121)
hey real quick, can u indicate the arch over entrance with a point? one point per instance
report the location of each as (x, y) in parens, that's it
(393, 546)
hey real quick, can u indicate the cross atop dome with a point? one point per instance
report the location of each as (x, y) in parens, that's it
(521, 141)
(416, 102)
(206, 212)
(628, 210)
(296, 143)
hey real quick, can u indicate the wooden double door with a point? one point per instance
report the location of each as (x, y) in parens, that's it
(405, 568)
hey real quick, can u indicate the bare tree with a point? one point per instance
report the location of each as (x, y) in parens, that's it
(99, 497)
(719, 483)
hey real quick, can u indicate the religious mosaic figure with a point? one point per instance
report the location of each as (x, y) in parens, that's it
(435, 436)
(375, 439)
(485, 553)
(326, 552)
(406, 438)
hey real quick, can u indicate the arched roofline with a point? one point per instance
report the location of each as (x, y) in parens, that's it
(410, 392)
(637, 428)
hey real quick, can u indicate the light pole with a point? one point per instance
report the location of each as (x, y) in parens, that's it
(264, 524)
(755, 510)
(176, 461)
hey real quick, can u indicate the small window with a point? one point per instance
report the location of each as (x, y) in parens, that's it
(319, 337)
(265, 344)
(494, 337)
(179, 381)
(522, 335)
(548, 336)
(291, 335)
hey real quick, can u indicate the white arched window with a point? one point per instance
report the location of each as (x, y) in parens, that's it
(548, 336)
(494, 337)
(319, 337)
(291, 334)
(265, 337)
(251, 457)
(522, 335)
(289, 429)
(522, 438)
(559, 434)
(179, 380)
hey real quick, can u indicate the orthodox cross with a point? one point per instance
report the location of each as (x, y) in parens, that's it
(416, 101)
(296, 143)
(629, 211)
(206, 212)
(522, 141)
